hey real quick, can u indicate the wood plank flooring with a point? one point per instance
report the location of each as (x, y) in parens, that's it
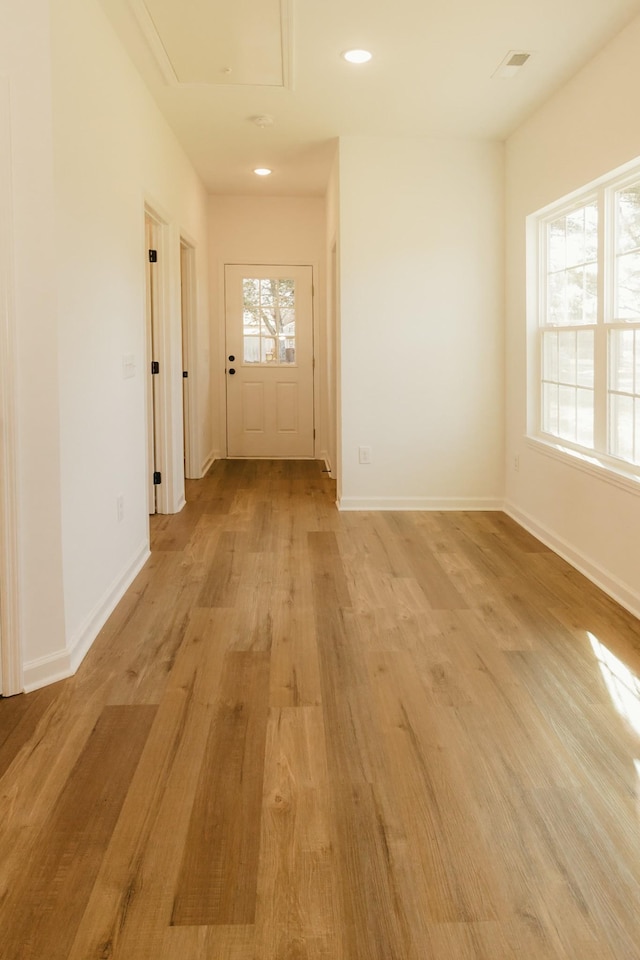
(306, 735)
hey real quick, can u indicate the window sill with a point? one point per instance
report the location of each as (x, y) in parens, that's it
(616, 473)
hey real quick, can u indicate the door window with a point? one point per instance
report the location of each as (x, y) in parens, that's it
(269, 320)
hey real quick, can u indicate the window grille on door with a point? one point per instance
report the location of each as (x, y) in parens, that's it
(269, 320)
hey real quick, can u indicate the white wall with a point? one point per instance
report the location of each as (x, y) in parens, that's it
(25, 65)
(588, 128)
(421, 247)
(111, 151)
(287, 230)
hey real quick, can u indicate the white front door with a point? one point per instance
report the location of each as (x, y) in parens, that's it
(269, 361)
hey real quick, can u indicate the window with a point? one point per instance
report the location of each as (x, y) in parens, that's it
(589, 320)
(269, 320)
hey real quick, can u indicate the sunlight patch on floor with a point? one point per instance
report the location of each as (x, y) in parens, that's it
(622, 684)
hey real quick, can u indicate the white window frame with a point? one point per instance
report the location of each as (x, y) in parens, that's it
(596, 460)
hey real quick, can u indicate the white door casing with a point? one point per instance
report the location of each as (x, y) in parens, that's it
(151, 338)
(269, 381)
(188, 299)
(11, 667)
(163, 345)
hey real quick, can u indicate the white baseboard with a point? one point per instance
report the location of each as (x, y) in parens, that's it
(324, 456)
(420, 503)
(45, 670)
(64, 663)
(616, 589)
(208, 463)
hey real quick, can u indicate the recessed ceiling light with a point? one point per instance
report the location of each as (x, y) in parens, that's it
(262, 171)
(357, 56)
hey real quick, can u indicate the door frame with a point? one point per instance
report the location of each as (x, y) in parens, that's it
(168, 405)
(313, 264)
(188, 315)
(11, 661)
(151, 395)
(331, 363)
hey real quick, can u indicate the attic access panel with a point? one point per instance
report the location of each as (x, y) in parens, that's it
(219, 42)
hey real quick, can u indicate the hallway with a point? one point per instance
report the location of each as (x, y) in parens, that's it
(313, 735)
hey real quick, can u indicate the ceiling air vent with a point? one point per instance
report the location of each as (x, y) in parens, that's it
(512, 63)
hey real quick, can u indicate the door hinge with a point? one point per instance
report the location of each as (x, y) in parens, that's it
(157, 478)
(153, 256)
(185, 374)
(155, 366)
(314, 434)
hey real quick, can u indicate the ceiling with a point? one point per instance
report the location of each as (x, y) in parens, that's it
(212, 66)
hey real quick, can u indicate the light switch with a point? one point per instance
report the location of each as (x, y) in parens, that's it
(128, 366)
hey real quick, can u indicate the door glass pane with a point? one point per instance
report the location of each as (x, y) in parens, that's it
(251, 293)
(287, 350)
(267, 292)
(252, 349)
(269, 320)
(250, 320)
(288, 318)
(268, 350)
(269, 326)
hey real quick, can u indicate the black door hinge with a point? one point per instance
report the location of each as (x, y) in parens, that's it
(153, 256)
(155, 366)
(185, 374)
(157, 478)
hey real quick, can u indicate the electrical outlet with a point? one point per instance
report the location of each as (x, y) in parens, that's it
(364, 454)
(120, 508)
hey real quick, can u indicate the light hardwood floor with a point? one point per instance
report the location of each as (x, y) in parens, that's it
(306, 735)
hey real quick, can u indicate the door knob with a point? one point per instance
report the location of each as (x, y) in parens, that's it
(231, 358)
(231, 371)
